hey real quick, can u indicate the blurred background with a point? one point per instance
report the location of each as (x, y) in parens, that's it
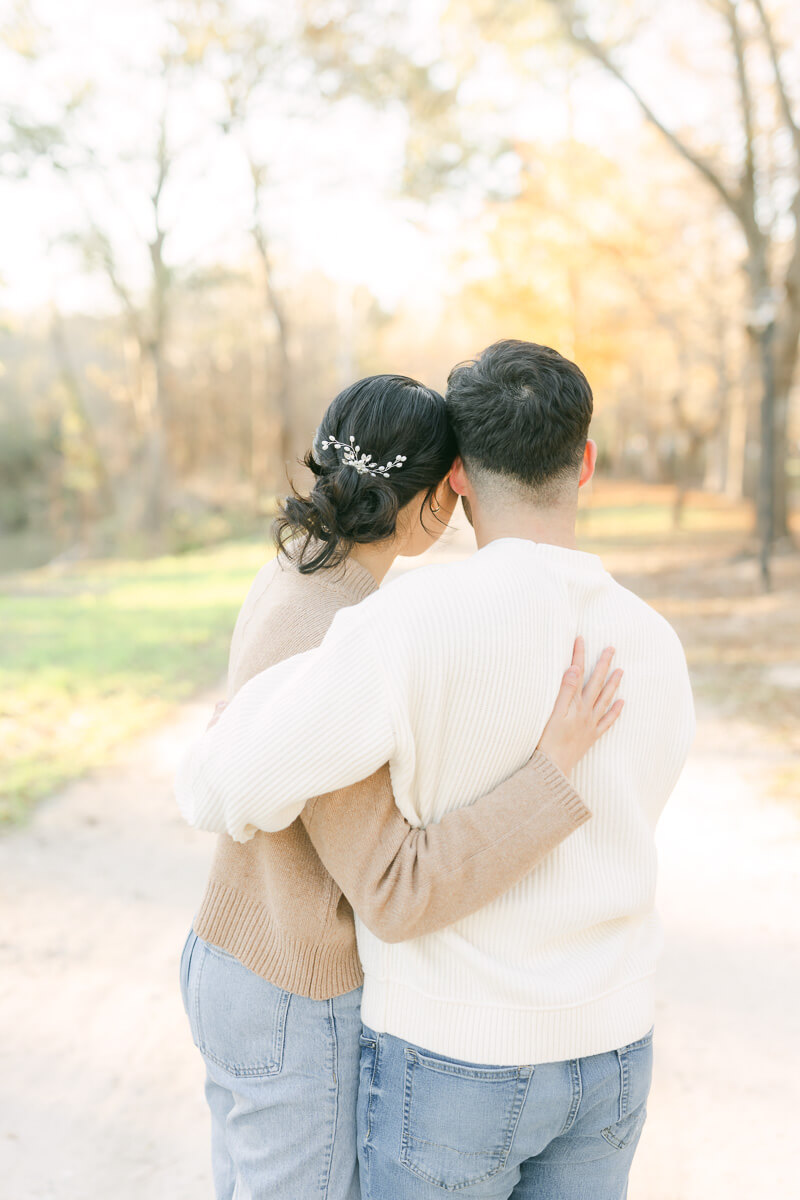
(214, 215)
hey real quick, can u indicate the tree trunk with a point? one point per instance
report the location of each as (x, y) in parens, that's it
(72, 388)
(781, 455)
(736, 444)
(154, 458)
(284, 397)
(283, 389)
(785, 351)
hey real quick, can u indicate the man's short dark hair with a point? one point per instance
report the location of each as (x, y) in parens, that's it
(521, 411)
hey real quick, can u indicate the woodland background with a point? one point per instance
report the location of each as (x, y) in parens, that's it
(217, 214)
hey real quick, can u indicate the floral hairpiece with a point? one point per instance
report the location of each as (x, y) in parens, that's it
(364, 464)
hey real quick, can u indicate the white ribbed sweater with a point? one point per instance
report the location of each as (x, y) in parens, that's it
(450, 674)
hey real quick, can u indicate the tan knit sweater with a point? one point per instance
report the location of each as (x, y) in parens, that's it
(282, 903)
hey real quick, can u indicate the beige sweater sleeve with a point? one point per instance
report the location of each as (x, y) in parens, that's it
(404, 882)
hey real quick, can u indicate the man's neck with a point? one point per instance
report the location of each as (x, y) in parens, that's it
(553, 526)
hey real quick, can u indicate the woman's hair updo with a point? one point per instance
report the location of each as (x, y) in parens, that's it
(387, 416)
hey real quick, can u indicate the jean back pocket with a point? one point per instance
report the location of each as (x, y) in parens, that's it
(459, 1121)
(238, 1019)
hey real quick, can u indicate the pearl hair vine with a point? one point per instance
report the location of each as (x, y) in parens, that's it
(365, 465)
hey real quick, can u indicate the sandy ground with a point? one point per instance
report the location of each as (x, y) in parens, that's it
(101, 1088)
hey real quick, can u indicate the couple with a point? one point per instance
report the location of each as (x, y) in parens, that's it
(404, 754)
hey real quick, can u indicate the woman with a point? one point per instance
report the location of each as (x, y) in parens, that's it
(270, 972)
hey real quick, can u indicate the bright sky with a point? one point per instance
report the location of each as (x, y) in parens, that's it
(334, 202)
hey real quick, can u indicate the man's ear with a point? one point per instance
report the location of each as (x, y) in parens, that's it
(458, 477)
(588, 464)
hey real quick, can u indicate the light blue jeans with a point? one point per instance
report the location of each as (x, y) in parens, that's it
(281, 1081)
(430, 1125)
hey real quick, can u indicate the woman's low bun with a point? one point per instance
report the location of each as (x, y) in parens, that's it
(342, 510)
(392, 420)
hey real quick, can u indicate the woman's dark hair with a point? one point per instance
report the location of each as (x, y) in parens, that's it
(387, 416)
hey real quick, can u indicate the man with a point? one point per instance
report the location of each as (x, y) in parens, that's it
(510, 1053)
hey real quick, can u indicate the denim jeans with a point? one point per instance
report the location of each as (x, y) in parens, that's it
(281, 1081)
(430, 1125)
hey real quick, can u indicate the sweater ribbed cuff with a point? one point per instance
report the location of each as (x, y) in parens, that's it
(562, 789)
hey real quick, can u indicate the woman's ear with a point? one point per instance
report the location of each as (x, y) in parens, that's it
(458, 477)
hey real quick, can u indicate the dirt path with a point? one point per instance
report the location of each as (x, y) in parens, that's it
(101, 1089)
(726, 1095)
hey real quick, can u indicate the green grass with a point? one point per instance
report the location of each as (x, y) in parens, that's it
(94, 654)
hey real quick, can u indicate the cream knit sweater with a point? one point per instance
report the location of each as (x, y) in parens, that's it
(283, 902)
(450, 675)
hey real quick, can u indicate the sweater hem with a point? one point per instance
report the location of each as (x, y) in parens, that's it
(244, 928)
(505, 1035)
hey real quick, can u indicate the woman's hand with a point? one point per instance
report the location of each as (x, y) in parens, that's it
(581, 715)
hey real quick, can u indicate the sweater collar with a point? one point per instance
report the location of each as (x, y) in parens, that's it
(349, 579)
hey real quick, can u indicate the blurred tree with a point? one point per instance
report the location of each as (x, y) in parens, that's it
(66, 146)
(578, 259)
(148, 316)
(295, 65)
(370, 50)
(84, 470)
(761, 191)
(255, 62)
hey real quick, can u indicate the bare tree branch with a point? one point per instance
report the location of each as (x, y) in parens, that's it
(748, 181)
(578, 33)
(783, 94)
